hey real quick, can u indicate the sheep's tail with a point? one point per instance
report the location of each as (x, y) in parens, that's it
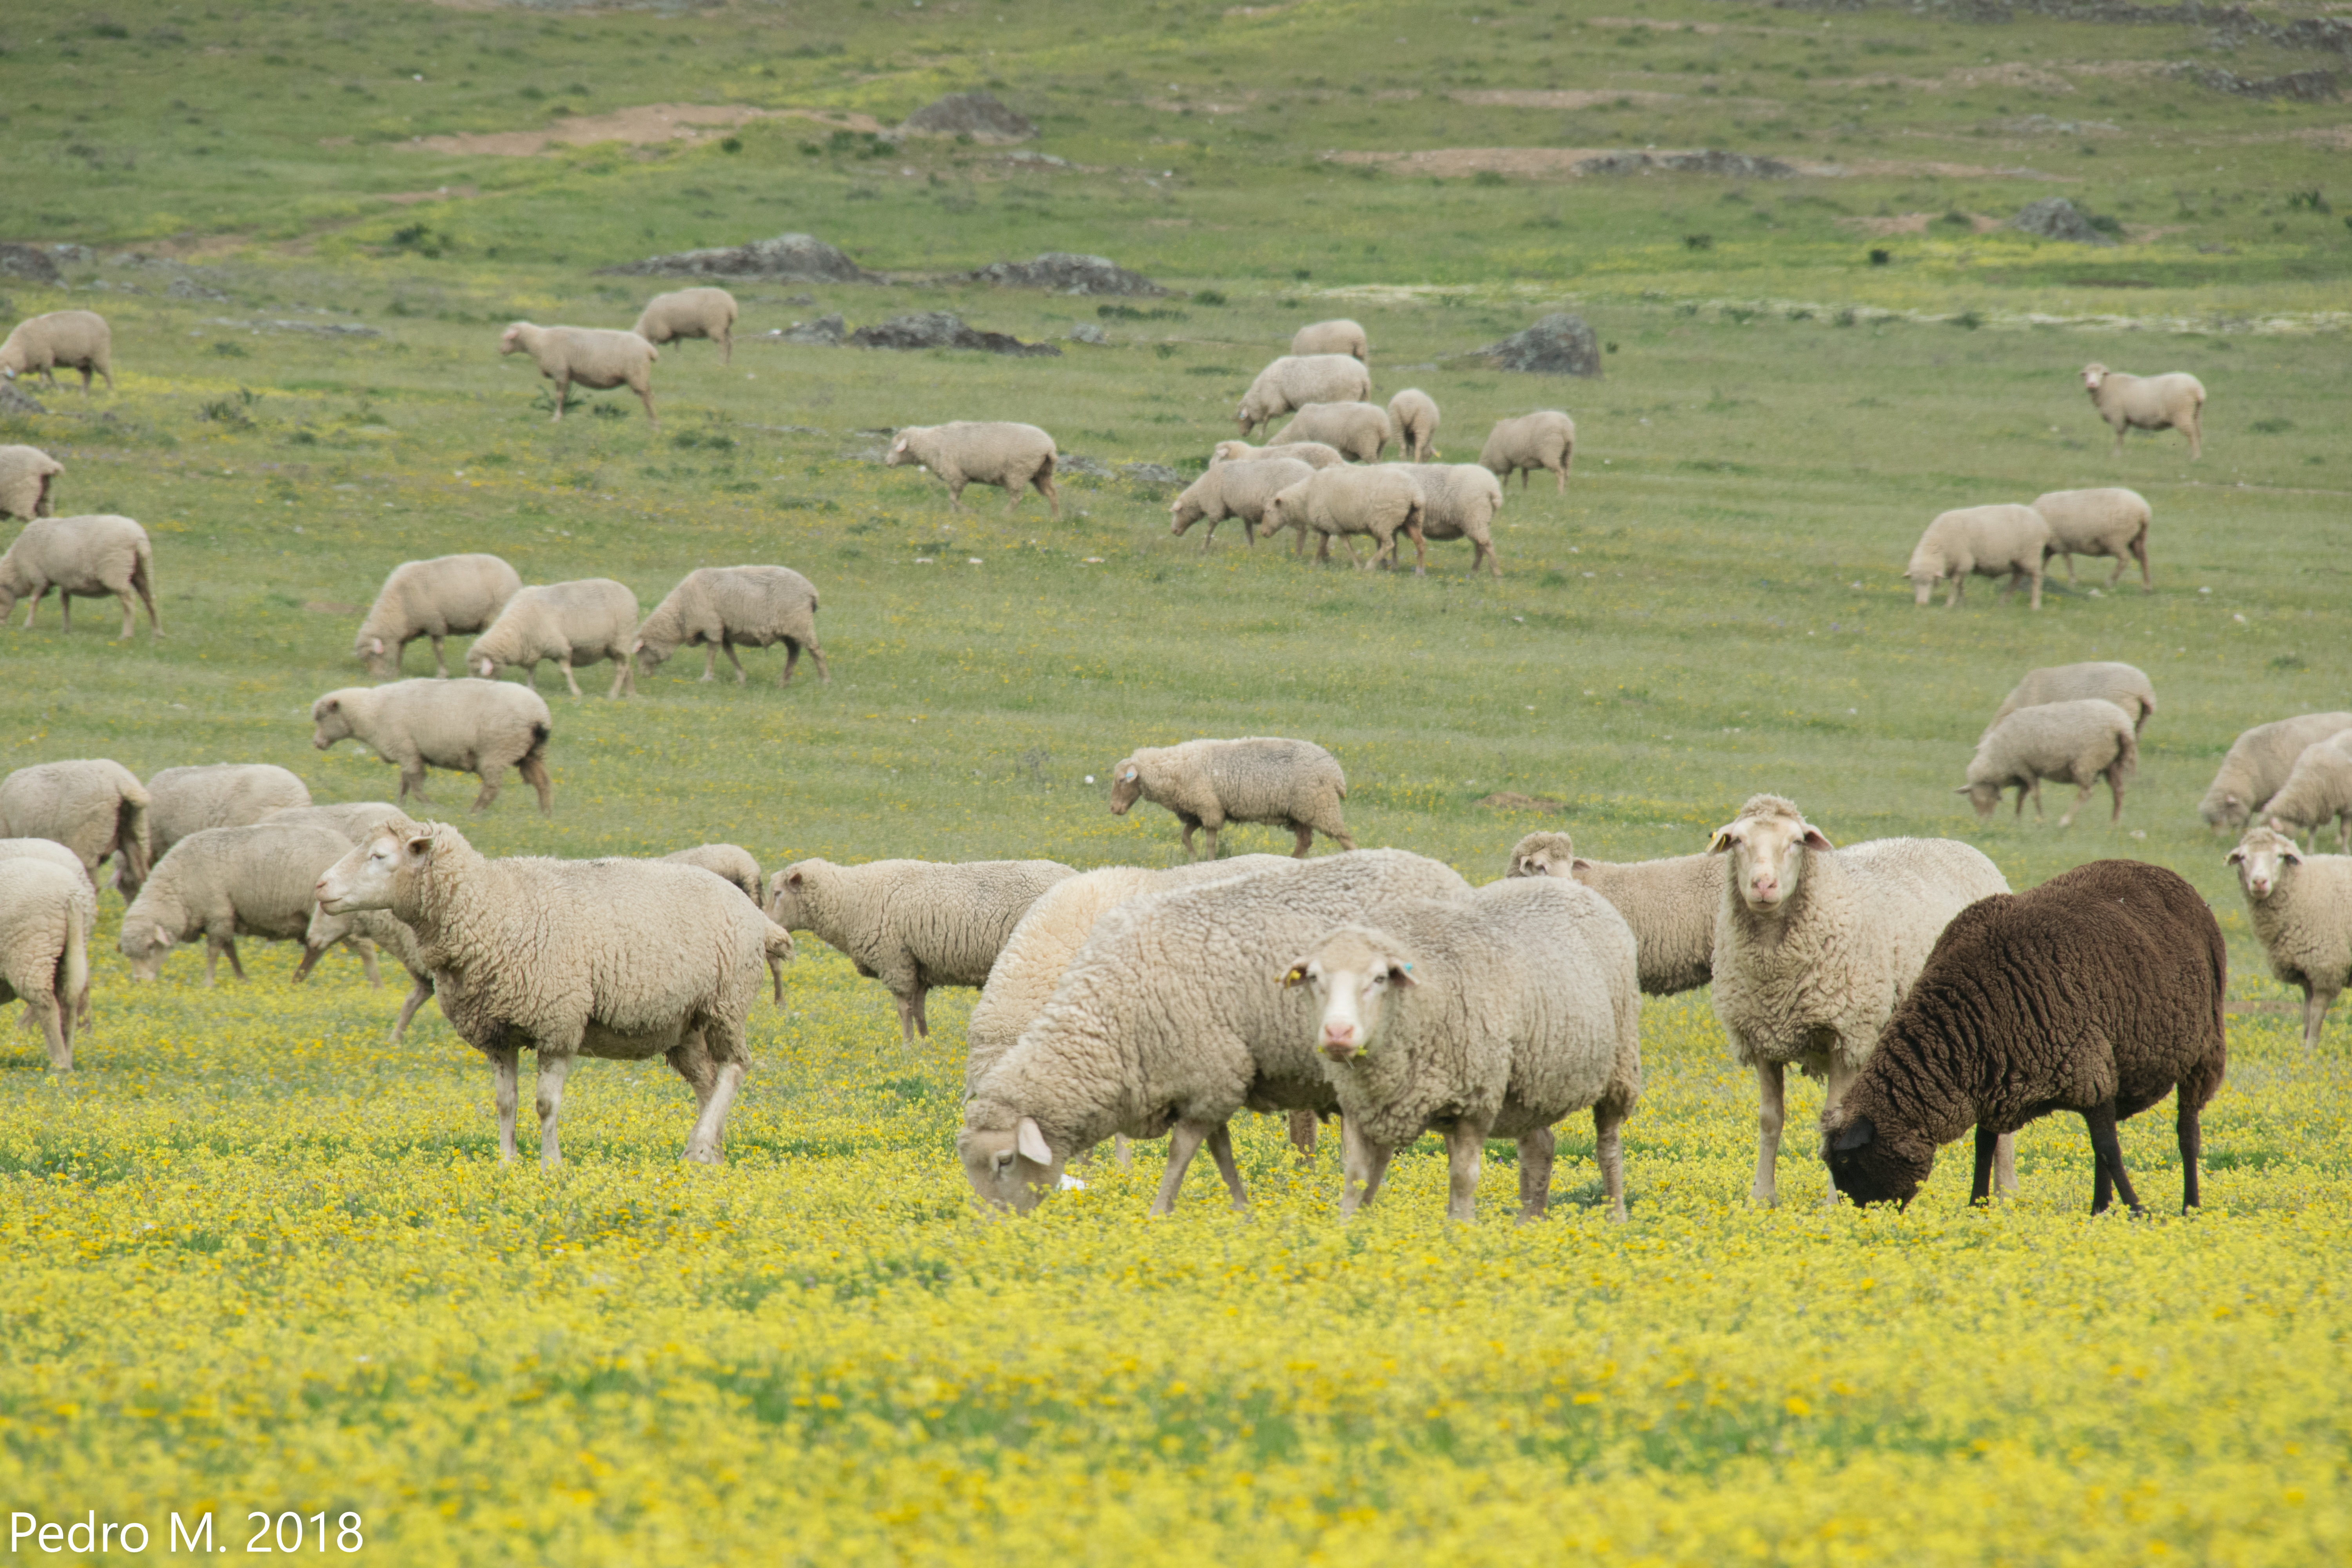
(76, 961)
(142, 577)
(2126, 761)
(540, 734)
(776, 946)
(132, 839)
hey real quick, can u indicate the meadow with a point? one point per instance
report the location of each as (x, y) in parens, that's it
(257, 1261)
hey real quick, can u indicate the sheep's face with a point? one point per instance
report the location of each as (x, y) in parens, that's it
(1182, 513)
(901, 453)
(1010, 1169)
(1227, 452)
(487, 669)
(1355, 975)
(1126, 787)
(1985, 798)
(144, 944)
(2229, 816)
(1768, 856)
(1871, 1169)
(2262, 858)
(372, 652)
(788, 897)
(2093, 376)
(332, 723)
(649, 657)
(364, 879)
(7, 594)
(1543, 855)
(512, 340)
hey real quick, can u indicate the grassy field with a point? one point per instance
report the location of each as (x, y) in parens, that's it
(259, 1262)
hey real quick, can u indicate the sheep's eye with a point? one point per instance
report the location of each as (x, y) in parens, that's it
(1005, 1159)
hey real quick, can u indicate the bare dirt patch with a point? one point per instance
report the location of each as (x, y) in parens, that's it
(1560, 162)
(647, 124)
(1512, 800)
(1571, 97)
(446, 193)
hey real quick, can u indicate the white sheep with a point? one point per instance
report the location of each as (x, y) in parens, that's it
(481, 727)
(596, 357)
(912, 924)
(1413, 424)
(572, 623)
(1357, 430)
(1335, 337)
(26, 474)
(96, 557)
(2078, 742)
(691, 313)
(739, 868)
(1342, 502)
(86, 900)
(1294, 381)
(1543, 440)
(1492, 1017)
(223, 883)
(355, 819)
(2110, 521)
(181, 801)
(45, 949)
(446, 596)
(619, 958)
(1284, 783)
(2318, 787)
(1670, 904)
(78, 339)
(1814, 946)
(363, 929)
(1233, 489)
(1989, 541)
(1458, 500)
(2174, 401)
(93, 806)
(2301, 906)
(718, 608)
(2124, 685)
(2258, 763)
(1314, 454)
(983, 452)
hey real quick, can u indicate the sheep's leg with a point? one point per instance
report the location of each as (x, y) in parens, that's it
(1959, 584)
(645, 397)
(2316, 1000)
(1364, 1163)
(2034, 786)
(2069, 570)
(65, 611)
(56, 1020)
(2082, 794)
(1981, 1182)
(2192, 1144)
(2035, 574)
(130, 615)
(1494, 562)
(1305, 837)
(1348, 543)
(533, 769)
(491, 773)
(922, 1013)
(1303, 1127)
(1210, 829)
(2114, 788)
(1190, 828)
(1535, 1174)
(2195, 431)
(212, 961)
(710, 662)
(1220, 1150)
(906, 1001)
(366, 949)
(506, 1074)
(562, 394)
(549, 1098)
(1772, 1110)
(707, 1144)
(792, 659)
(1561, 475)
(440, 660)
(1609, 1152)
(955, 494)
(2121, 562)
(1466, 1149)
(418, 995)
(33, 607)
(1420, 554)
(563, 664)
(742, 677)
(1184, 1141)
(2108, 1153)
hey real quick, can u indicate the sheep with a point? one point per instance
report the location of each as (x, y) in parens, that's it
(2301, 906)
(2124, 685)
(1294, 381)
(1314, 454)
(2076, 742)
(85, 900)
(596, 357)
(912, 924)
(1413, 424)
(614, 958)
(363, 929)
(1492, 1017)
(78, 339)
(1169, 1021)
(2099, 992)
(44, 928)
(2257, 763)
(442, 597)
(26, 477)
(480, 727)
(94, 808)
(1670, 904)
(1339, 503)
(1815, 945)
(719, 606)
(735, 866)
(2175, 402)
(572, 623)
(2319, 787)
(1986, 540)
(85, 557)
(1284, 783)
(691, 313)
(1458, 500)
(182, 801)
(1233, 489)
(1338, 337)
(1357, 430)
(355, 820)
(222, 883)
(2098, 522)
(1543, 440)
(981, 451)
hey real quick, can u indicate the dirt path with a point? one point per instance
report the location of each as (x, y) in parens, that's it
(641, 126)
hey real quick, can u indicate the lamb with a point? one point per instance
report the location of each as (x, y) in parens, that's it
(2301, 906)
(1986, 540)
(691, 313)
(1233, 489)
(363, 929)
(1670, 904)
(596, 357)
(1458, 500)
(1814, 947)
(81, 557)
(1492, 1017)
(618, 959)
(1543, 440)
(355, 820)
(481, 727)
(2099, 992)
(2098, 522)
(2257, 763)
(1314, 454)
(912, 924)
(182, 801)
(26, 476)
(94, 808)
(1294, 381)
(2125, 686)
(572, 623)
(1413, 424)
(1340, 337)
(981, 451)
(2319, 787)
(2175, 402)
(442, 597)
(1284, 783)
(1357, 430)
(78, 339)
(222, 883)
(734, 864)
(85, 900)
(1339, 503)
(44, 928)
(719, 606)
(2076, 742)
(1169, 1020)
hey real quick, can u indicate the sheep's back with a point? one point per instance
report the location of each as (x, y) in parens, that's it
(1671, 906)
(265, 872)
(229, 794)
(1257, 778)
(955, 919)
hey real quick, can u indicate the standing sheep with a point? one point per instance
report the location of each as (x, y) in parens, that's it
(26, 474)
(1314, 454)
(1294, 381)
(1671, 905)
(1413, 424)
(94, 808)
(85, 900)
(1284, 783)
(981, 451)
(1357, 430)
(596, 357)
(2174, 401)
(446, 596)
(181, 801)
(95, 557)
(78, 339)
(1233, 489)
(2301, 906)
(572, 623)
(45, 949)
(691, 313)
(2098, 522)
(2125, 686)
(715, 608)
(2099, 992)
(1989, 541)
(1458, 500)
(1340, 502)
(1543, 440)
(361, 928)
(1337, 337)
(2076, 742)
(2257, 763)
(223, 883)
(480, 727)
(2319, 787)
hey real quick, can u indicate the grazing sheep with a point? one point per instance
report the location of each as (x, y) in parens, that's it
(1458, 500)
(1340, 337)
(93, 557)
(45, 927)
(78, 339)
(1357, 430)
(1814, 946)
(2319, 787)
(2076, 742)
(2301, 906)
(355, 820)
(691, 313)
(25, 475)
(717, 608)
(1493, 1017)
(1294, 381)
(86, 900)
(181, 801)
(912, 924)
(1671, 905)
(1413, 424)
(94, 808)
(2099, 992)
(222, 883)
(1314, 454)
(2174, 401)
(596, 357)
(2098, 522)
(444, 596)
(362, 928)
(481, 727)
(1543, 440)
(981, 451)
(2257, 763)
(734, 864)
(572, 623)
(1284, 783)
(1339, 503)
(1169, 1021)
(613, 958)
(1233, 489)
(2124, 685)
(1986, 540)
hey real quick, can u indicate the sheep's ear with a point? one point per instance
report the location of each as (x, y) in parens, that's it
(1580, 864)
(1961, 789)
(334, 704)
(1853, 1135)
(2236, 857)
(1816, 839)
(1031, 1142)
(1722, 839)
(1401, 972)
(421, 846)
(1294, 976)
(795, 878)
(2291, 854)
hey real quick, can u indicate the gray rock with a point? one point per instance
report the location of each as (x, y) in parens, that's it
(826, 331)
(30, 262)
(788, 258)
(186, 288)
(2055, 217)
(15, 399)
(1738, 165)
(979, 115)
(2303, 87)
(1065, 272)
(1158, 474)
(943, 329)
(1084, 467)
(1559, 345)
(1088, 332)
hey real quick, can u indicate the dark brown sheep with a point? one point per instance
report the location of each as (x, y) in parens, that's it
(2099, 992)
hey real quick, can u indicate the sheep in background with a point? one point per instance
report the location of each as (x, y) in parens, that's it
(1339, 503)
(1233, 489)
(1543, 440)
(1296, 380)
(78, 339)
(981, 451)
(572, 623)
(2098, 522)
(93, 806)
(45, 949)
(98, 557)
(446, 596)
(735, 866)
(2257, 763)
(719, 606)
(2125, 686)
(482, 726)
(596, 357)
(2173, 402)
(1458, 500)
(1335, 337)
(85, 899)
(27, 477)
(1671, 905)
(223, 883)
(1284, 783)
(1314, 454)
(2078, 742)
(181, 801)
(361, 929)
(1989, 541)
(690, 314)
(2319, 787)
(355, 820)
(2301, 907)
(1413, 424)
(1357, 430)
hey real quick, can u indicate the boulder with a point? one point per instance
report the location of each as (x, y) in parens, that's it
(979, 115)
(1737, 165)
(1559, 345)
(30, 262)
(788, 258)
(826, 331)
(15, 399)
(2055, 217)
(1065, 272)
(943, 329)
